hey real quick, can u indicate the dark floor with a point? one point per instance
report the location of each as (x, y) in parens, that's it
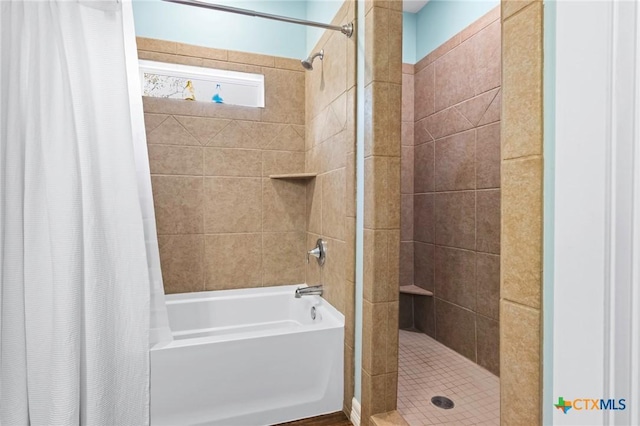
(334, 419)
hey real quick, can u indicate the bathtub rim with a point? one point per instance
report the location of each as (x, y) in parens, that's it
(334, 320)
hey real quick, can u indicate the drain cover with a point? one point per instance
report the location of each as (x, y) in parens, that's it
(442, 402)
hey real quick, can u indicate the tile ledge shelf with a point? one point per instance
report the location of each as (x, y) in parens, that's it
(298, 176)
(414, 289)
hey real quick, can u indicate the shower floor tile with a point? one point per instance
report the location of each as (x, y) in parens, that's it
(427, 369)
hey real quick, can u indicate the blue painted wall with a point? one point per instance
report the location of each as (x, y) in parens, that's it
(192, 25)
(438, 21)
(409, 36)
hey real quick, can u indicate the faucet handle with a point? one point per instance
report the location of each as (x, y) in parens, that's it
(319, 252)
(315, 252)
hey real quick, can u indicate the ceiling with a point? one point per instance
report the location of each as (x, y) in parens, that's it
(413, 6)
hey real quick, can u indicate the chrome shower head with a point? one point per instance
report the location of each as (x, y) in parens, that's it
(308, 63)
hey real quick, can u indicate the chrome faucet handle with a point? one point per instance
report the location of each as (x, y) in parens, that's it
(319, 252)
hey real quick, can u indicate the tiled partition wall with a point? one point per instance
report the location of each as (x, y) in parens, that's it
(382, 146)
(522, 174)
(222, 223)
(456, 187)
(330, 152)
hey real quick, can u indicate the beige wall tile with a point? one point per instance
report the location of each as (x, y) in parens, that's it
(201, 51)
(282, 162)
(284, 96)
(201, 128)
(314, 205)
(349, 312)
(488, 285)
(251, 58)
(455, 219)
(406, 174)
(231, 66)
(377, 133)
(424, 92)
(488, 337)
(423, 218)
(473, 109)
(374, 341)
(181, 259)
(175, 160)
(393, 193)
(233, 261)
(283, 258)
(406, 217)
(377, 45)
(487, 61)
(376, 265)
(493, 112)
(407, 97)
(288, 139)
(178, 202)
(172, 59)
(155, 45)
(395, 120)
(519, 364)
(511, 7)
(455, 74)
(171, 132)
(488, 156)
(199, 109)
(522, 84)
(376, 214)
(444, 123)
(333, 205)
(334, 274)
(151, 121)
(408, 69)
(287, 63)
(455, 276)
(284, 205)
(233, 204)
(424, 265)
(393, 250)
(455, 160)
(232, 162)
(522, 231)
(424, 168)
(488, 221)
(456, 328)
(391, 333)
(395, 44)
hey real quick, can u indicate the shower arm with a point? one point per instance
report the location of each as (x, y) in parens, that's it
(346, 29)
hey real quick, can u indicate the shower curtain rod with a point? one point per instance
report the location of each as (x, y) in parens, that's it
(346, 29)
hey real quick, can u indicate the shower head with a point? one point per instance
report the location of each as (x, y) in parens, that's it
(308, 63)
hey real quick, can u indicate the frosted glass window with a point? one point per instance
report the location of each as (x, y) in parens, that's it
(164, 80)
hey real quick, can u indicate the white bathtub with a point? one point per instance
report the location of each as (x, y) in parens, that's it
(247, 357)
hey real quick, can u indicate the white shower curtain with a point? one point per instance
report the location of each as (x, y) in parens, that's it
(75, 285)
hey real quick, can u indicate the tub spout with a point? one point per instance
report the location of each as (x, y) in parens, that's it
(315, 290)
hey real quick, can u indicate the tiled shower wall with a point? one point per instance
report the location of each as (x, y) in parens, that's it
(330, 152)
(454, 250)
(222, 223)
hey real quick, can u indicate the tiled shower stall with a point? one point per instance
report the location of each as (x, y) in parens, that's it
(451, 192)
